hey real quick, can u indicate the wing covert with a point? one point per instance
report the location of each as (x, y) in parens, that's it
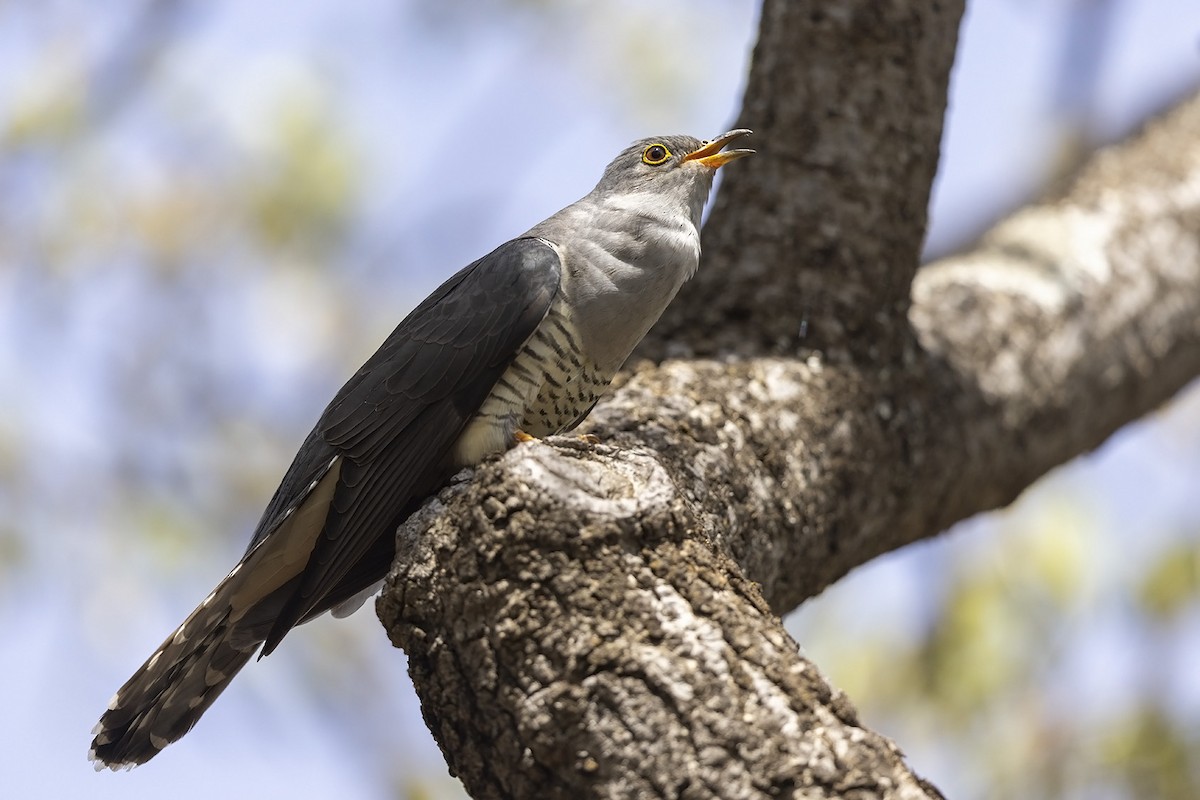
(396, 419)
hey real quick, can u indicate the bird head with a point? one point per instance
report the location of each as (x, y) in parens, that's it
(677, 171)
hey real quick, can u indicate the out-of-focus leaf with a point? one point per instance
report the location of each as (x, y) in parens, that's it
(1172, 582)
(1153, 757)
(167, 528)
(49, 105)
(1052, 553)
(305, 197)
(975, 652)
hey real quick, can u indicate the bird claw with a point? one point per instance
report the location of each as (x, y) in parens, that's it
(588, 438)
(522, 437)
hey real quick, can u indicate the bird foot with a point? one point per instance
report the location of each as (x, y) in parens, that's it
(588, 438)
(522, 437)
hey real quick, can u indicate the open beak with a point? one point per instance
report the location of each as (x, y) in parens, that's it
(710, 154)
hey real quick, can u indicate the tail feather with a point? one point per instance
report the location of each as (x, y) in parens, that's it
(176, 685)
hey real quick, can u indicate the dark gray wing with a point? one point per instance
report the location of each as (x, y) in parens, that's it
(392, 425)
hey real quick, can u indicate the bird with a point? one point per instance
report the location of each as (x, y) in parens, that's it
(518, 345)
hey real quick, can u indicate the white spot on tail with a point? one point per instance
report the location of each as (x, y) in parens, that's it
(113, 704)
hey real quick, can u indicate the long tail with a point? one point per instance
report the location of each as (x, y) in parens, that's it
(176, 685)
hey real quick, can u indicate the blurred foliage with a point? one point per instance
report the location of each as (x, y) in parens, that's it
(1172, 584)
(1151, 756)
(177, 260)
(307, 193)
(1052, 664)
(46, 110)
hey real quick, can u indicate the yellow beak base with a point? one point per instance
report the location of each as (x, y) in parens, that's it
(710, 154)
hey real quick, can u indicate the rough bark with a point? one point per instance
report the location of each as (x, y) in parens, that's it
(595, 621)
(593, 644)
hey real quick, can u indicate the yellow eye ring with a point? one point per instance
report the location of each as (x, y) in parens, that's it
(656, 154)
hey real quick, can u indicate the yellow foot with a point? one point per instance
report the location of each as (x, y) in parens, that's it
(588, 438)
(522, 436)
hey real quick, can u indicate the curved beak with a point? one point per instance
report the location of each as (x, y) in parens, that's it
(710, 154)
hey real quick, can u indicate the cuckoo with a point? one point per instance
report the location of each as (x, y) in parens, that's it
(520, 344)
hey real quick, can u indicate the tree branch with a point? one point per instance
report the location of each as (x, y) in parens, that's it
(591, 644)
(1071, 318)
(587, 621)
(813, 243)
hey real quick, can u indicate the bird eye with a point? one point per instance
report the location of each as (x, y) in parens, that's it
(655, 154)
